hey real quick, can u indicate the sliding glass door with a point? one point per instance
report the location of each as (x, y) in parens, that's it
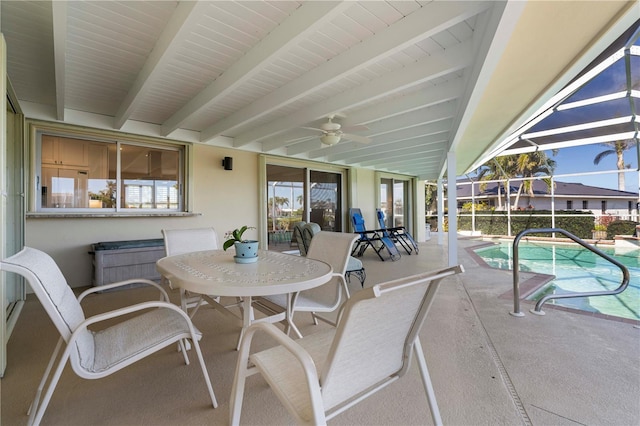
(395, 202)
(295, 194)
(326, 200)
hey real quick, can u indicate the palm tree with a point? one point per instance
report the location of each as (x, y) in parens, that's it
(275, 204)
(618, 148)
(499, 168)
(533, 164)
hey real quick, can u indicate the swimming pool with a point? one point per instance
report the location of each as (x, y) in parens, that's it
(576, 270)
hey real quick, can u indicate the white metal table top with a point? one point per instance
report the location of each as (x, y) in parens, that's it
(215, 272)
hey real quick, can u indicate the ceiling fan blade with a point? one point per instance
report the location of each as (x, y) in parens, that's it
(312, 128)
(356, 138)
(355, 128)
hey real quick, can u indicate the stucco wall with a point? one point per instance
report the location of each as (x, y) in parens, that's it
(225, 199)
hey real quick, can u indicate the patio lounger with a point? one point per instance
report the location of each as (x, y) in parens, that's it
(398, 234)
(374, 239)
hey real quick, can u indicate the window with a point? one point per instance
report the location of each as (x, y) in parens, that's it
(120, 176)
(569, 205)
(585, 205)
(603, 206)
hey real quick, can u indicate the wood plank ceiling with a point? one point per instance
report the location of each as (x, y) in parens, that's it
(412, 77)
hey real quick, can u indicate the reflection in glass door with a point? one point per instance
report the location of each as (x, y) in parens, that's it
(326, 200)
(394, 198)
(285, 204)
(297, 194)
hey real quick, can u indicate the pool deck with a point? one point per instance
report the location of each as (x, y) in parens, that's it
(487, 367)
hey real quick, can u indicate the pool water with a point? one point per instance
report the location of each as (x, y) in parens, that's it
(576, 270)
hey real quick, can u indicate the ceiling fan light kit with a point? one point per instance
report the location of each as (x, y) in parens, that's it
(330, 139)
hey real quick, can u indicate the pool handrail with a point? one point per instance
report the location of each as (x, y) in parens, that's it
(538, 308)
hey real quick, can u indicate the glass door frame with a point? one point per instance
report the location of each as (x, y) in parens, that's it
(411, 197)
(308, 167)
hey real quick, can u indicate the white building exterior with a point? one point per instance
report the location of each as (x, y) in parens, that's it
(563, 196)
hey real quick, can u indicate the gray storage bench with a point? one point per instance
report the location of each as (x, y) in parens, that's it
(121, 260)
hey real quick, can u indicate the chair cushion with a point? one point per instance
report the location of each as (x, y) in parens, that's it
(354, 264)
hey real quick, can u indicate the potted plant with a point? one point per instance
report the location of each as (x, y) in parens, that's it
(600, 231)
(246, 250)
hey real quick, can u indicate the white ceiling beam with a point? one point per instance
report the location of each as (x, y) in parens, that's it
(384, 151)
(407, 160)
(411, 120)
(170, 41)
(305, 146)
(418, 154)
(430, 20)
(445, 92)
(434, 112)
(431, 67)
(59, 15)
(293, 136)
(304, 21)
(391, 139)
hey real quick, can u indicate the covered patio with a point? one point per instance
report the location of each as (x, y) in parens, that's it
(487, 366)
(422, 90)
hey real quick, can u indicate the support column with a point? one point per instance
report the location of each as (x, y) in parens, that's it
(452, 207)
(440, 201)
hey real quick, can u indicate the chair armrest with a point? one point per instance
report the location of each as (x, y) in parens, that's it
(289, 344)
(163, 294)
(244, 370)
(131, 309)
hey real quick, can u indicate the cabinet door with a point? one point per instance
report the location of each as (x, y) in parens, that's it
(64, 151)
(73, 152)
(98, 161)
(49, 150)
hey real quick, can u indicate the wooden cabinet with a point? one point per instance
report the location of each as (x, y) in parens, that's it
(64, 151)
(98, 161)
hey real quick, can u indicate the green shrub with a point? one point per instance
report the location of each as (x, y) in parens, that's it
(621, 227)
(495, 223)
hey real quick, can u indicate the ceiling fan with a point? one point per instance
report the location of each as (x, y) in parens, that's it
(332, 133)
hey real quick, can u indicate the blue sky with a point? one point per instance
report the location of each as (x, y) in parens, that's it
(580, 159)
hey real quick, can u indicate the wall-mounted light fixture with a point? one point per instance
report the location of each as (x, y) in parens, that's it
(227, 163)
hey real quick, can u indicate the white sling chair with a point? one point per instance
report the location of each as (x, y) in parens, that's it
(179, 241)
(325, 373)
(333, 248)
(96, 354)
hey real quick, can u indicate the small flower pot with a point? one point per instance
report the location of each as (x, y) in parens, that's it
(246, 251)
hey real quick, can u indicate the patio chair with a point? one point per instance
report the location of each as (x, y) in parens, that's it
(179, 241)
(296, 237)
(354, 267)
(397, 234)
(96, 354)
(374, 239)
(332, 248)
(323, 374)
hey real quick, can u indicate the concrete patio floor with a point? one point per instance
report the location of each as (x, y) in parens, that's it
(487, 367)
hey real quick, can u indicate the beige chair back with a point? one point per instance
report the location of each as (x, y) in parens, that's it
(375, 335)
(49, 285)
(179, 241)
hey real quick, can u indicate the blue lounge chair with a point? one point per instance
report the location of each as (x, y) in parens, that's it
(375, 239)
(398, 234)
